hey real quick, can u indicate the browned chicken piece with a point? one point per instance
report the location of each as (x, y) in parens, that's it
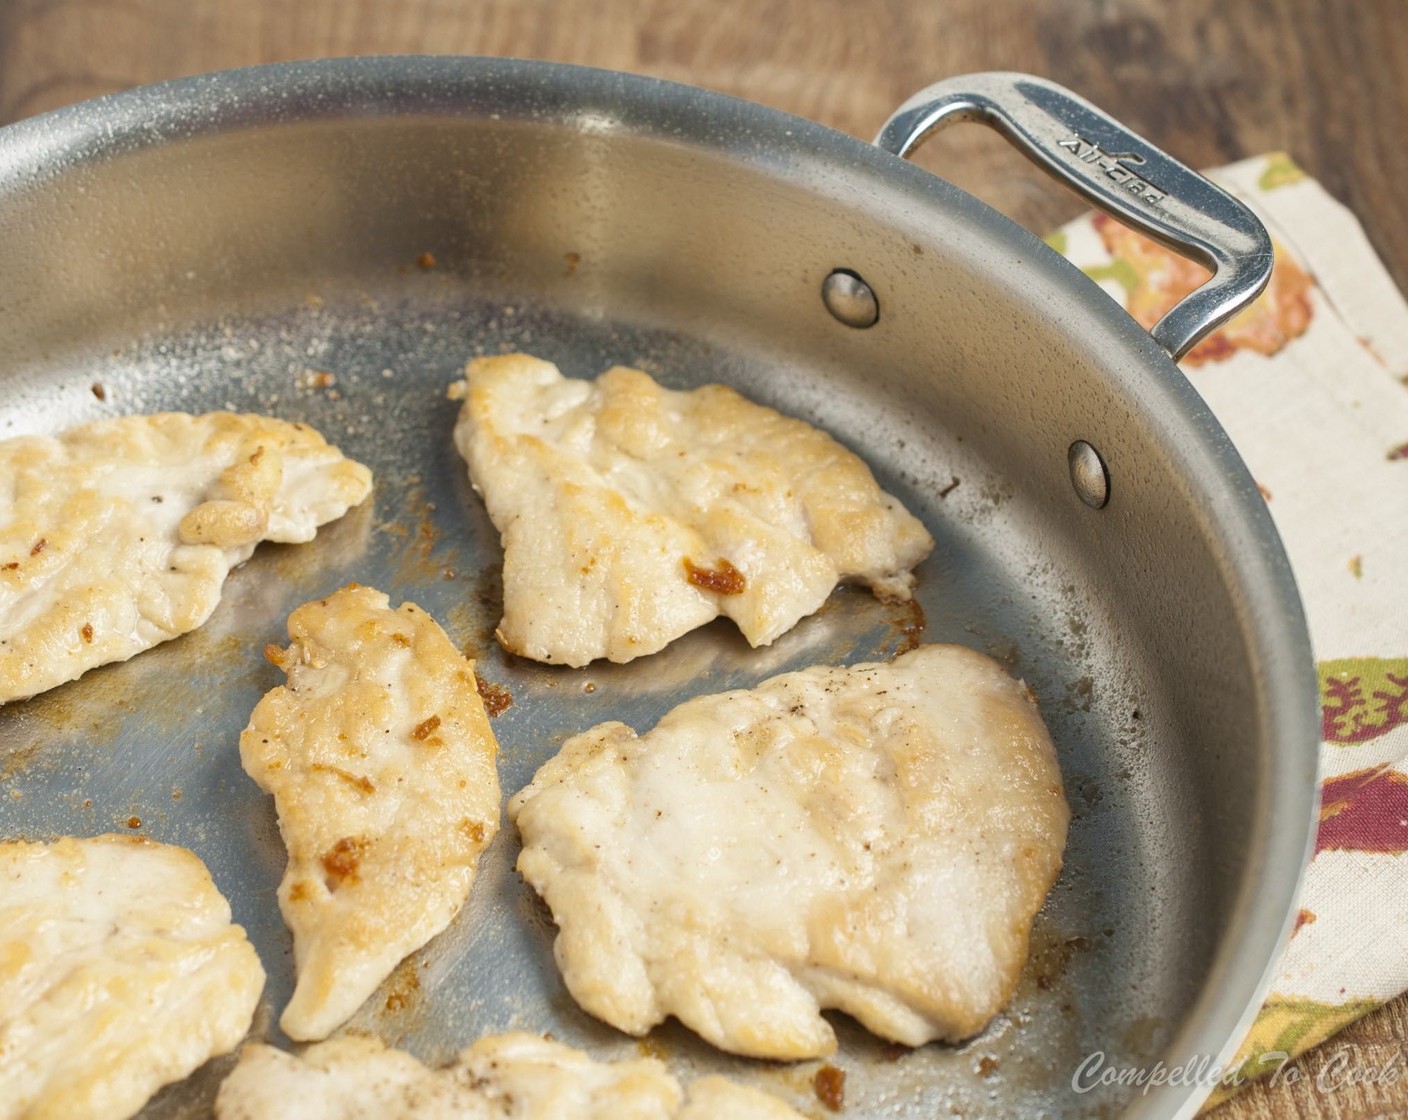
(120, 971)
(505, 1077)
(876, 839)
(632, 514)
(118, 535)
(382, 765)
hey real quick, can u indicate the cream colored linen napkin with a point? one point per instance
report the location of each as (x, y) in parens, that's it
(1311, 382)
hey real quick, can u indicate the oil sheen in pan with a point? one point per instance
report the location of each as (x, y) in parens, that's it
(151, 745)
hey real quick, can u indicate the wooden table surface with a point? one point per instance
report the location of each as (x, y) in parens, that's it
(1210, 81)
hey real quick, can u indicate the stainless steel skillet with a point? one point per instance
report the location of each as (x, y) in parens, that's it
(208, 243)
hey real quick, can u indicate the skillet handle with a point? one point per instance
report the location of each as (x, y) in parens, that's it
(1116, 171)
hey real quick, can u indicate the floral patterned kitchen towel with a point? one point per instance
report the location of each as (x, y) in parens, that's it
(1311, 382)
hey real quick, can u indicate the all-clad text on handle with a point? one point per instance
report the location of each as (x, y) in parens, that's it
(1117, 171)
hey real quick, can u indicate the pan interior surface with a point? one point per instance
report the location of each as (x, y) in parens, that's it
(215, 245)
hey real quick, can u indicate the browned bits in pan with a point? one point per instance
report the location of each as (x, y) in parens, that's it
(405, 983)
(830, 1086)
(496, 697)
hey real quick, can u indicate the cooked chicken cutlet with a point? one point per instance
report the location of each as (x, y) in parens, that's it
(876, 839)
(631, 514)
(717, 1098)
(382, 765)
(506, 1077)
(120, 971)
(118, 535)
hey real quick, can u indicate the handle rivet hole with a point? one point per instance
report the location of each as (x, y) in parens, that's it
(850, 299)
(1089, 475)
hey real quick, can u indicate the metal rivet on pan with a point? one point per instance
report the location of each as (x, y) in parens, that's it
(850, 299)
(1088, 474)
